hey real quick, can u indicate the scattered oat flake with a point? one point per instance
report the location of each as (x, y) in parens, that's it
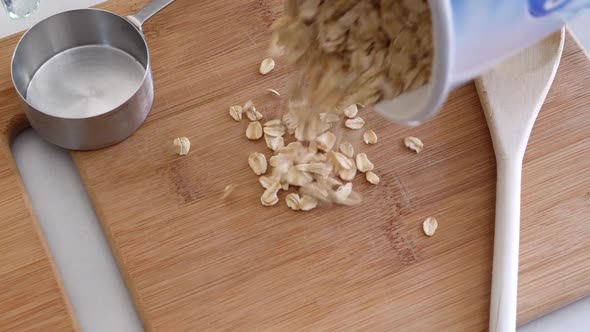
(257, 162)
(429, 226)
(254, 131)
(414, 144)
(236, 112)
(351, 111)
(275, 131)
(273, 123)
(266, 181)
(253, 114)
(293, 200)
(363, 163)
(372, 178)
(248, 105)
(229, 189)
(274, 143)
(326, 141)
(340, 161)
(266, 66)
(269, 197)
(356, 123)
(370, 137)
(307, 203)
(284, 185)
(354, 199)
(182, 146)
(274, 92)
(343, 192)
(347, 174)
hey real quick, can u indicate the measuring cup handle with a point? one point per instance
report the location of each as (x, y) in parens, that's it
(148, 11)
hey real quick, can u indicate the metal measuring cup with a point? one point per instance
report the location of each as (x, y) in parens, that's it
(84, 76)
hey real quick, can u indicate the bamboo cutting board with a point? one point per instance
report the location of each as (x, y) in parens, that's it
(193, 261)
(32, 297)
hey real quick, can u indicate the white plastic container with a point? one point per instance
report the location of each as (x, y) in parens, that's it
(470, 36)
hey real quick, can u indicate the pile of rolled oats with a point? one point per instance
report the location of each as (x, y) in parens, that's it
(315, 171)
(356, 51)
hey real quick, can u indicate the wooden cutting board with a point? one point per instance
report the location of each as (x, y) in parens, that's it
(194, 261)
(32, 297)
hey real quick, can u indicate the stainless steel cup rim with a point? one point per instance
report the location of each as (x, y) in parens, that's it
(56, 16)
(72, 69)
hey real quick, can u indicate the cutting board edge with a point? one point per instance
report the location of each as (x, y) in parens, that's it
(12, 126)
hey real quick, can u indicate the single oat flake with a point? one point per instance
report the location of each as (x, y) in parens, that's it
(274, 131)
(229, 189)
(429, 226)
(266, 181)
(182, 146)
(307, 203)
(236, 112)
(293, 200)
(372, 178)
(340, 161)
(347, 174)
(269, 197)
(272, 123)
(326, 141)
(363, 163)
(274, 92)
(343, 192)
(370, 137)
(414, 144)
(248, 105)
(356, 123)
(274, 143)
(351, 111)
(253, 114)
(254, 131)
(266, 66)
(257, 162)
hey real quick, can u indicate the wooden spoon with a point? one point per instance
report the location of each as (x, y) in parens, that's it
(512, 95)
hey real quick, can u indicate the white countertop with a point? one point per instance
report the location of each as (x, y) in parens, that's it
(82, 255)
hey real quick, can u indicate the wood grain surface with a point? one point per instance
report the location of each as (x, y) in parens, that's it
(193, 261)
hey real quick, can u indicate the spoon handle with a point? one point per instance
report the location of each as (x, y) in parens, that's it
(506, 243)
